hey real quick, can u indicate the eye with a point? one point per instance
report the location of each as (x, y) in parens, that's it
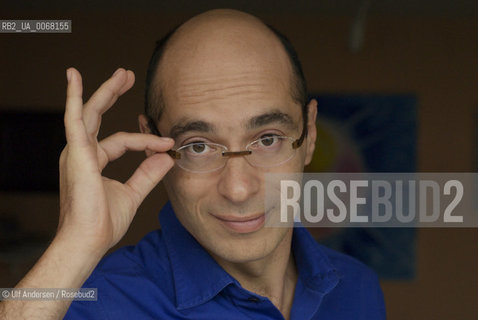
(268, 140)
(198, 148)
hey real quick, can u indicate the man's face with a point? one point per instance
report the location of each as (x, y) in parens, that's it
(216, 95)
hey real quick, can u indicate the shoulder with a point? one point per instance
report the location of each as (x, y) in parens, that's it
(140, 258)
(321, 259)
(126, 279)
(346, 265)
(358, 288)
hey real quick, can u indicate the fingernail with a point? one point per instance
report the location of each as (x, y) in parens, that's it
(68, 75)
(116, 72)
(167, 139)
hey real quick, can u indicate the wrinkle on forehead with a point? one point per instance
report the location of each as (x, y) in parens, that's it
(251, 86)
(194, 86)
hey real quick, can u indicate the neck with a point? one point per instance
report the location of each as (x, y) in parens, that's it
(273, 276)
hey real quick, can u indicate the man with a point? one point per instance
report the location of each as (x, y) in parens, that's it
(227, 90)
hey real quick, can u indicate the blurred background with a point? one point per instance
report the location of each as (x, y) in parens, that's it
(415, 59)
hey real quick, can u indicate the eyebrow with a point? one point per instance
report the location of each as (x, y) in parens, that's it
(271, 117)
(199, 126)
(254, 123)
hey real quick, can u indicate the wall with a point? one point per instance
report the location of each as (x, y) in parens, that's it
(436, 58)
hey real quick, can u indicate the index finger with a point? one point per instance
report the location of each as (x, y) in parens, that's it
(117, 144)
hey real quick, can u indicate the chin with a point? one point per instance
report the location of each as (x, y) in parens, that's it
(252, 248)
(239, 257)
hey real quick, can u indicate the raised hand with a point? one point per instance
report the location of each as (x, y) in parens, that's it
(94, 208)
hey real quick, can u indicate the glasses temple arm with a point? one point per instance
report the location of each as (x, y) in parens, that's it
(297, 143)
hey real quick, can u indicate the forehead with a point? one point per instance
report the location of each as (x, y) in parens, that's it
(238, 70)
(227, 100)
(225, 88)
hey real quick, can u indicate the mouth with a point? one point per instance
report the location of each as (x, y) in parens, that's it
(242, 224)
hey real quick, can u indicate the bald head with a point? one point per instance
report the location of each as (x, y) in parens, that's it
(222, 27)
(221, 40)
(219, 44)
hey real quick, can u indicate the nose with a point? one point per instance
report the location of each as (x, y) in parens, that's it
(239, 181)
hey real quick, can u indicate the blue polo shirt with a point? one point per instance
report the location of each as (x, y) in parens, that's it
(168, 275)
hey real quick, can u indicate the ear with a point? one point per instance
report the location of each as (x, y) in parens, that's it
(144, 128)
(311, 130)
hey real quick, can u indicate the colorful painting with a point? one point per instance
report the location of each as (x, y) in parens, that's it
(368, 133)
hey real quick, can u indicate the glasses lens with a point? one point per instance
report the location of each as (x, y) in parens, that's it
(201, 157)
(271, 151)
(268, 151)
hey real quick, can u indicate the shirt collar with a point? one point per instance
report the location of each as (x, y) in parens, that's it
(315, 270)
(198, 278)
